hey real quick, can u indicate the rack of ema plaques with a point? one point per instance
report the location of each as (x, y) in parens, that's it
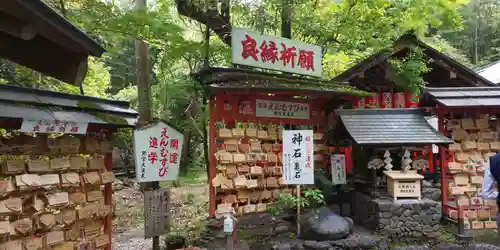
(51, 194)
(475, 140)
(249, 167)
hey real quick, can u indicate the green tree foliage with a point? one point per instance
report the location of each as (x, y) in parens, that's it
(481, 32)
(347, 30)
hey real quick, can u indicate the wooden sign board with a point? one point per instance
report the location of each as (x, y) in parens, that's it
(156, 212)
(337, 162)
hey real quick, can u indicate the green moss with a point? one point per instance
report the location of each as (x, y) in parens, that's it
(88, 105)
(108, 118)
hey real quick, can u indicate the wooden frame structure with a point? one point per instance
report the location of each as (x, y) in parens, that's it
(230, 88)
(102, 116)
(458, 102)
(373, 131)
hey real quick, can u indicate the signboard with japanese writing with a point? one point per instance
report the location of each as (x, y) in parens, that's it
(298, 157)
(278, 109)
(270, 52)
(44, 126)
(338, 169)
(156, 212)
(158, 151)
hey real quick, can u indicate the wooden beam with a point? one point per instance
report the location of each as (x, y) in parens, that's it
(450, 69)
(45, 56)
(16, 27)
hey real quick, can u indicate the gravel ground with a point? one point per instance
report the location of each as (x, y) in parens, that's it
(133, 239)
(189, 204)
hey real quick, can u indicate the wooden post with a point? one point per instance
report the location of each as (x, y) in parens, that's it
(108, 197)
(298, 209)
(229, 242)
(144, 96)
(443, 163)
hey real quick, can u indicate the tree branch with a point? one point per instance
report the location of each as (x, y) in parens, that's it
(218, 22)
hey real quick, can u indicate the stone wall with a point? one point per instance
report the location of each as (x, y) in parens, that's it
(398, 219)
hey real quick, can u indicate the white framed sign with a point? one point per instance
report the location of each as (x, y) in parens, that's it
(46, 126)
(338, 169)
(158, 152)
(277, 53)
(298, 157)
(279, 109)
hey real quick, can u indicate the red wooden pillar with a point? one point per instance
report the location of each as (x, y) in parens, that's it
(212, 171)
(444, 163)
(430, 158)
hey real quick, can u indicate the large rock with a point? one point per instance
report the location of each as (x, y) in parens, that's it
(480, 246)
(410, 248)
(324, 225)
(449, 246)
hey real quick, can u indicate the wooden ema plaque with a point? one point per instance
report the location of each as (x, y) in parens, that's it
(404, 185)
(156, 212)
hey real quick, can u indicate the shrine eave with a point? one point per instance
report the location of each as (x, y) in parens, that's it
(384, 127)
(239, 79)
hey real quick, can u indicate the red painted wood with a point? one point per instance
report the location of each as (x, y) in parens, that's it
(444, 166)
(212, 171)
(225, 107)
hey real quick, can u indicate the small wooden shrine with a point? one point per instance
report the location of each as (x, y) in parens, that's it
(469, 116)
(248, 111)
(56, 165)
(382, 140)
(56, 168)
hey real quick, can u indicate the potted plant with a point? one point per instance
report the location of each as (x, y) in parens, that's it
(175, 240)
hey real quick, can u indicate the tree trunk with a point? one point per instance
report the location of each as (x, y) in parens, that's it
(286, 19)
(184, 164)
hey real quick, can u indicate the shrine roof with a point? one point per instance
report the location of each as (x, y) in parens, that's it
(461, 97)
(409, 41)
(35, 104)
(238, 79)
(389, 127)
(34, 35)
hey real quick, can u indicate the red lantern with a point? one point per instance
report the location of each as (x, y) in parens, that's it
(358, 103)
(371, 102)
(386, 100)
(399, 100)
(412, 100)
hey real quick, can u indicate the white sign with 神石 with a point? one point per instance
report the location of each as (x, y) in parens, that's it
(158, 150)
(46, 126)
(298, 157)
(278, 109)
(277, 53)
(338, 169)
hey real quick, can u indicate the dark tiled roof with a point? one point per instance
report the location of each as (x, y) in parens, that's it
(34, 104)
(390, 127)
(462, 97)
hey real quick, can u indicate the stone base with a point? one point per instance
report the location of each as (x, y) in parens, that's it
(402, 218)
